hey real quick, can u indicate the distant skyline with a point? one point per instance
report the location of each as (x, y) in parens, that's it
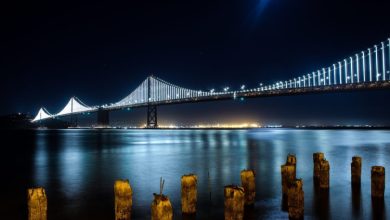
(100, 52)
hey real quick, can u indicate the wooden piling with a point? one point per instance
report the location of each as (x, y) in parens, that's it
(324, 174)
(296, 200)
(288, 176)
(377, 181)
(123, 200)
(291, 159)
(317, 158)
(161, 208)
(356, 170)
(249, 185)
(37, 204)
(189, 193)
(234, 202)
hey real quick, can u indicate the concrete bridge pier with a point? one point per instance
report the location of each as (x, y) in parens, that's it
(103, 118)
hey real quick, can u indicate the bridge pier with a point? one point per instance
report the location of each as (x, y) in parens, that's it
(103, 118)
(73, 120)
(151, 121)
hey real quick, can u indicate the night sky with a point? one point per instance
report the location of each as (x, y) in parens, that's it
(100, 52)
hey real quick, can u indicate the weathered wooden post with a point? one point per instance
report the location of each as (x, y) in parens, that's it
(161, 206)
(296, 200)
(324, 174)
(189, 193)
(249, 185)
(317, 158)
(356, 170)
(37, 204)
(291, 160)
(234, 202)
(377, 181)
(288, 176)
(123, 199)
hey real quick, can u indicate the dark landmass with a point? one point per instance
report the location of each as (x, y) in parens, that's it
(16, 121)
(21, 121)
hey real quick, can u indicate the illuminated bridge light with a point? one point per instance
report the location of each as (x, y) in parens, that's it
(353, 70)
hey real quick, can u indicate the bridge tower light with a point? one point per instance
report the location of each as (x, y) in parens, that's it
(328, 77)
(389, 56)
(319, 77)
(351, 64)
(346, 70)
(324, 78)
(242, 87)
(314, 79)
(308, 79)
(383, 62)
(334, 74)
(340, 74)
(370, 63)
(357, 68)
(376, 63)
(364, 66)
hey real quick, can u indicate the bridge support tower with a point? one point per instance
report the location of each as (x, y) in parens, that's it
(151, 121)
(152, 117)
(103, 118)
(73, 121)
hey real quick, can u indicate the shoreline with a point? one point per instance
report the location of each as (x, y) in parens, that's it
(211, 128)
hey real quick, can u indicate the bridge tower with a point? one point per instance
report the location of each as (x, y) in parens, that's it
(151, 121)
(73, 117)
(103, 118)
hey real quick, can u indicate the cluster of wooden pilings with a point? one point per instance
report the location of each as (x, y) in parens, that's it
(236, 197)
(292, 188)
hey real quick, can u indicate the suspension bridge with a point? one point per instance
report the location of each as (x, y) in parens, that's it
(368, 69)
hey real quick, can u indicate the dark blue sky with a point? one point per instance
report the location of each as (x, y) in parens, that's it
(100, 52)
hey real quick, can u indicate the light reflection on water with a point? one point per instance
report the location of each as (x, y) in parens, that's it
(78, 169)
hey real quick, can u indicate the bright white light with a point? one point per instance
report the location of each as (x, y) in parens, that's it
(42, 114)
(74, 105)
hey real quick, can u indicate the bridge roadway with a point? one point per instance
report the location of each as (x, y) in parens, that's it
(103, 112)
(260, 94)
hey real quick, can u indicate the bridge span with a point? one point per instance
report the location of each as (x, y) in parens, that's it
(367, 70)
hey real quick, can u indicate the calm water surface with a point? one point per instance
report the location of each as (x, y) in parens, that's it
(78, 169)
